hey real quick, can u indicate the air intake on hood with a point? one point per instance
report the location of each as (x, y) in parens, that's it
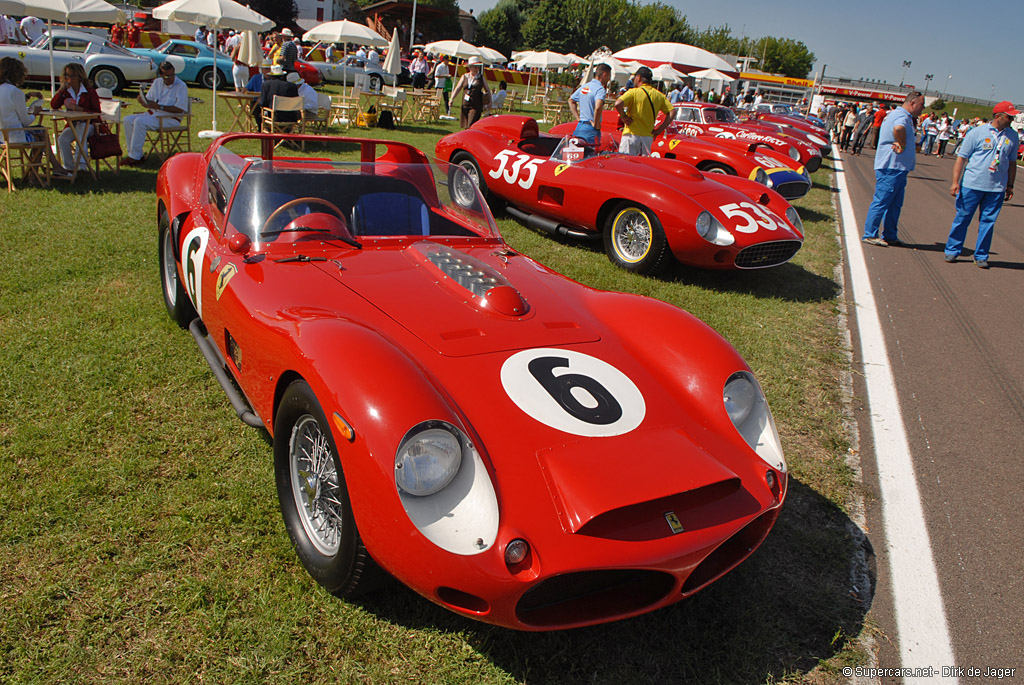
(487, 288)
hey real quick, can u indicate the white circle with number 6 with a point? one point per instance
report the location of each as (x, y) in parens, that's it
(573, 392)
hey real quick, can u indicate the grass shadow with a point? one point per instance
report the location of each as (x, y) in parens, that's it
(779, 613)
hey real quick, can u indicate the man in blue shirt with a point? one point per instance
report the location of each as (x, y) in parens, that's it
(687, 94)
(989, 153)
(587, 104)
(894, 160)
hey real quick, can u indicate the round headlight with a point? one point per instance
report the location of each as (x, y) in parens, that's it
(793, 153)
(761, 177)
(427, 461)
(704, 222)
(794, 218)
(739, 397)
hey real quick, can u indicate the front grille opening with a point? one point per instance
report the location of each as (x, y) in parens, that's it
(792, 190)
(592, 596)
(731, 552)
(767, 254)
(463, 600)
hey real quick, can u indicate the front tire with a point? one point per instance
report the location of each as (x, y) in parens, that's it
(375, 83)
(179, 307)
(108, 77)
(716, 168)
(205, 78)
(463, 195)
(634, 239)
(313, 496)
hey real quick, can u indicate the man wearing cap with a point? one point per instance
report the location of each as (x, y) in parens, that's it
(167, 96)
(587, 105)
(894, 160)
(638, 107)
(983, 176)
(276, 84)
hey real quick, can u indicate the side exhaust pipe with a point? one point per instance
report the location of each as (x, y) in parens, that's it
(217, 365)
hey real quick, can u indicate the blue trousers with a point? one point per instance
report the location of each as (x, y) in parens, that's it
(988, 205)
(586, 132)
(890, 185)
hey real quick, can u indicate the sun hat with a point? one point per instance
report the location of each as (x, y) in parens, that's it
(474, 60)
(1007, 107)
(287, 32)
(293, 76)
(276, 70)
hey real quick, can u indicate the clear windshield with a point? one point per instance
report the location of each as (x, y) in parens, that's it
(720, 115)
(295, 199)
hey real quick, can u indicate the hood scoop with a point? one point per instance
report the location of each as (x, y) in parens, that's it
(470, 277)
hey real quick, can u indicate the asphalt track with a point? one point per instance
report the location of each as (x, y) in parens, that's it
(954, 336)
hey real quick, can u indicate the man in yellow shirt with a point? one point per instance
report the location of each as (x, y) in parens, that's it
(639, 107)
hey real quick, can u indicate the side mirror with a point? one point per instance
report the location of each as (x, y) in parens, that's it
(240, 244)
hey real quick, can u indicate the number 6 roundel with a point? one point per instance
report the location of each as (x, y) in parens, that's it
(573, 392)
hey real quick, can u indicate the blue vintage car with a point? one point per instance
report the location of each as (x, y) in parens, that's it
(192, 61)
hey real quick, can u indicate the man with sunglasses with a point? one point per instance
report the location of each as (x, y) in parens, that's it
(166, 97)
(986, 167)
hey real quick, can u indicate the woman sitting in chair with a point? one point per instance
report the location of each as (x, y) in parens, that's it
(15, 115)
(76, 94)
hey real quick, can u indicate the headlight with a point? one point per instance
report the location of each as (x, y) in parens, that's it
(749, 413)
(761, 177)
(704, 220)
(711, 230)
(427, 460)
(794, 218)
(793, 153)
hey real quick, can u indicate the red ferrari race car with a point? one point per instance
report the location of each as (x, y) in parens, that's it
(645, 208)
(710, 155)
(705, 119)
(450, 410)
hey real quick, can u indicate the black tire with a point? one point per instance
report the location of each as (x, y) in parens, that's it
(375, 83)
(108, 77)
(335, 557)
(456, 180)
(179, 307)
(716, 168)
(634, 239)
(205, 78)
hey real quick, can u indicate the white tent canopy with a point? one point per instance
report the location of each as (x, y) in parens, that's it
(491, 56)
(453, 48)
(543, 60)
(665, 72)
(679, 55)
(218, 14)
(711, 75)
(345, 31)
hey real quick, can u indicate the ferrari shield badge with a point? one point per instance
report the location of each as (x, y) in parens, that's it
(224, 276)
(560, 168)
(672, 143)
(673, 522)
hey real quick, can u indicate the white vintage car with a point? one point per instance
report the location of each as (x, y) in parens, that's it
(107, 65)
(345, 73)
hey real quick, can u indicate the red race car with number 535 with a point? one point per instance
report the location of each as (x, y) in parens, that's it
(513, 446)
(646, 209)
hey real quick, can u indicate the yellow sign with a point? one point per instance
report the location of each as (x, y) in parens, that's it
(224, 276)
(784, 80)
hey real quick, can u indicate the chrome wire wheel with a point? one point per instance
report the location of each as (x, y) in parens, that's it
(315, 485)
(466, 184)
(169, 269)
(632, 235)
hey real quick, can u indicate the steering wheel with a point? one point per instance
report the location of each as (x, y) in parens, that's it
(309, 201)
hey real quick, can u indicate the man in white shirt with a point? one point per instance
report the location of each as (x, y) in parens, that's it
(373, 58)
(166, 97)
(310, 100)
(33, 28)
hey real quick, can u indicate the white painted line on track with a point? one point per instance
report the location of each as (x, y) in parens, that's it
(920, 616)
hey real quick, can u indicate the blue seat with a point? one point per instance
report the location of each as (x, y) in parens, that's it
(390, 214)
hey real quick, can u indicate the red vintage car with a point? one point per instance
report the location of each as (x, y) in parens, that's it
(512, 445)
(646, 209)
(705, 119)
(757, 162)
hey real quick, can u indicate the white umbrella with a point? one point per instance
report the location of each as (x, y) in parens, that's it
(250, 51)
(679, 55)
(665, 72)
(712, 75)
(345, 31)
(491, 56)
(217, 14)
(544, 60)
(65, 11)
(393, 62)
(575, 59)
(453, 48)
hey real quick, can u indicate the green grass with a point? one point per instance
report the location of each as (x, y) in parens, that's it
(140, 536)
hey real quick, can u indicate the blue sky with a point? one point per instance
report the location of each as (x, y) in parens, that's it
(978, 44)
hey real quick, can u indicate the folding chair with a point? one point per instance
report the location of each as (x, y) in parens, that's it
(28, 157)
(343, 110)
(173, 135)
(317, 124)
(110, 114)
(396, 105)
(272, 123)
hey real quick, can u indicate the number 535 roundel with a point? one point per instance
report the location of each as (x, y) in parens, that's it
(512, 445)
(648, 210)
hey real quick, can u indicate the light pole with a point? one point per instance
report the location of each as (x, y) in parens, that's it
(927, 80)
(906, 65)
(946, 86)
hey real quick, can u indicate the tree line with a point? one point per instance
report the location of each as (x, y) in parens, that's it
(581, 26)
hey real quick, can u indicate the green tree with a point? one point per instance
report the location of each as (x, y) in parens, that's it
(785, 56)
(591, 24)
(661, 23)
(545, 27)
(501, 27)
(718, 39)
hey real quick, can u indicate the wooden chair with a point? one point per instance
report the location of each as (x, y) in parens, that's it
(343, 110)
(27, 157)
(317, 124)
(173, 135)
(510, 101)
(272, 123)
(555, 112)
(110, 114)
(394, 102)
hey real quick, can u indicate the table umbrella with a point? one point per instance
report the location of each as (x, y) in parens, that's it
(345, 32)
(711, 75)
(454, 48)
(665, 72)
(65, 11)
(250, 51)
(541, 60)
(217, 14)
(393, 62)
(491, 56)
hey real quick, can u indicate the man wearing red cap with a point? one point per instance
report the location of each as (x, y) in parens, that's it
(986, 166)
